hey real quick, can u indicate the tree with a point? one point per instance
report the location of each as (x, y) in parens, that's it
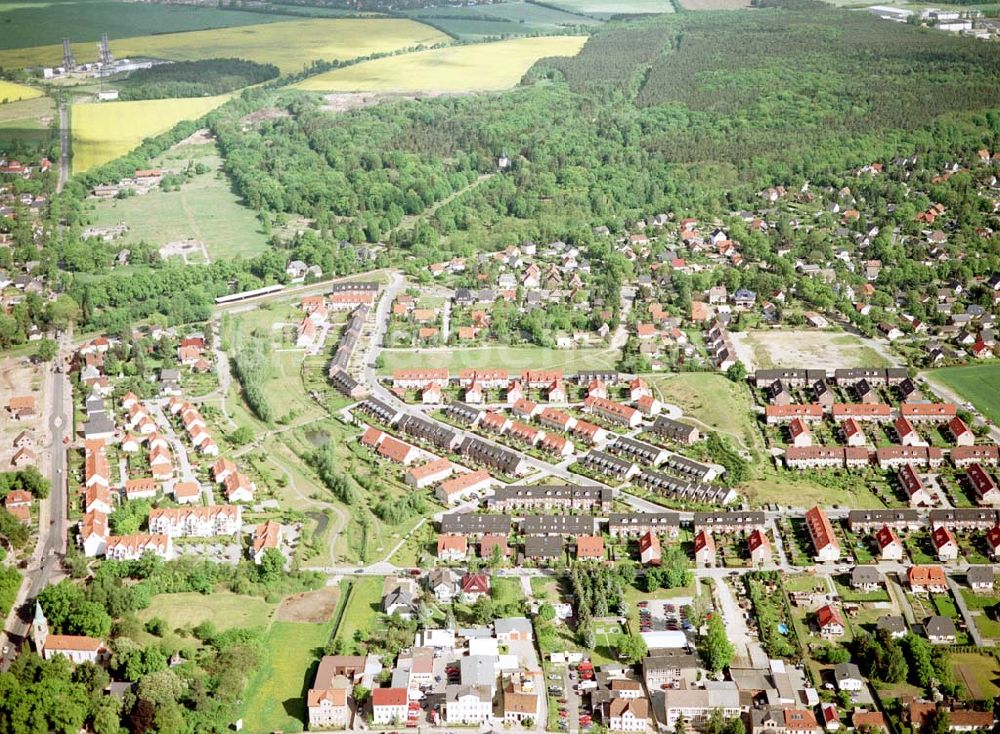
(46, 350)
(546, 612)
(936, 722)
(632, 648)
(715, 648)
(737, 372)
(482, 610)
(271, 566)
(679, 727)
(241, 436)
(361, 695)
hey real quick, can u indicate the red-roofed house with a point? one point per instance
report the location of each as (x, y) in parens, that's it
(452, 548)
(829, 623)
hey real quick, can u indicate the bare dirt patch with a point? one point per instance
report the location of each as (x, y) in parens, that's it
(314, 607)
(806, 348)
(198, 137)
(969, 681)
(20, 378)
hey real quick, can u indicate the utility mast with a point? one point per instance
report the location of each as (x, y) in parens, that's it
(69, 63)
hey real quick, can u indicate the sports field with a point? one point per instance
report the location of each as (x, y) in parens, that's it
(289, 44)
(224, 609)
(12, 92)
(608, 8)
(107, 130)
(979, 384)
(274, 698)
(489, 66)
(205, 209)
(511, 358)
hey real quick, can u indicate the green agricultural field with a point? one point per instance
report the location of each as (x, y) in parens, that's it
(27, 121)
(977, 384)
(275, 697)
(501, 19)
(363, 607)
(492, 66)
(607, 8)
(290, 44)
(204, 209)
(224, 609)
(511, 358)
(83, 21)
(107, 130)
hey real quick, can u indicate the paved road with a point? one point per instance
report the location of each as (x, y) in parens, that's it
(51, 546)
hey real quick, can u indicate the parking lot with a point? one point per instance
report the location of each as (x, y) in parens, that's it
(659, 615)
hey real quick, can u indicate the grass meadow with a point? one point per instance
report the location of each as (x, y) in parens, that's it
(274, 699)
(224, 609)
(976, 383)
(486, 67)
(204, 209)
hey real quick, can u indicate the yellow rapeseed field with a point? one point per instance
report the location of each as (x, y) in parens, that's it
(11, 92)
(489, 66)
(103, 131)
(288, 44)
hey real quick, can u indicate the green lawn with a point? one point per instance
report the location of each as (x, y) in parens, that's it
(511, 358)
(712, 400)
(977, 671)
(363, 607)
(976, 383)
(224, 609)
(275, 697)
(204, 209)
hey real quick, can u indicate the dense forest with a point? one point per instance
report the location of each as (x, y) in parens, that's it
(692, 113)
(194, 78)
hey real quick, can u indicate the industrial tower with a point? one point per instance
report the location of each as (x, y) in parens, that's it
(69, 63)
(106, 57)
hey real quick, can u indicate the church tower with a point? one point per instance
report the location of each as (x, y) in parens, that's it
(39, 629)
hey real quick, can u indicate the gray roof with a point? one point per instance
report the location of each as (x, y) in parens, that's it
(454, 692)
(847, 671)
(543, 546)
(892, 623)
(512, 624)
(938, 626)
(478, 670)
(980, 575)
(98, 424)
(865, 575)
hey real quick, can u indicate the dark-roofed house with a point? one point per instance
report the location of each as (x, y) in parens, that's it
(675, 430)
(543, 548)
(558, 525)
(736, 521)
(494, 457)
(940, 630)
(547, 497)
(865, 578)
(473, 524)
(637, 523)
